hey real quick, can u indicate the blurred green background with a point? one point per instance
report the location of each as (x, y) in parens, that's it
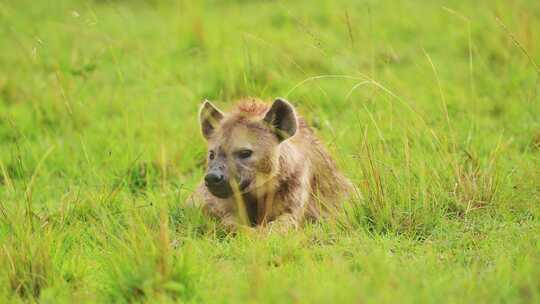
(430, 107)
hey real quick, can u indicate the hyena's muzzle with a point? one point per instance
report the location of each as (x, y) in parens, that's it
(217, 180)
(221, 182)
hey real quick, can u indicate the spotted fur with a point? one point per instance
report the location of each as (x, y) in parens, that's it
(295, 178)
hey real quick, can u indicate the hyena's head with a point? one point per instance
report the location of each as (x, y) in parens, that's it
(243, 146)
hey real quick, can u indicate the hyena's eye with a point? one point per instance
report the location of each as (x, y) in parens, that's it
(211, 155)
(243, 154)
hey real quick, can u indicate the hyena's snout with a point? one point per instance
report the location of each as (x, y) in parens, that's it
(217, 182)
(213, 179)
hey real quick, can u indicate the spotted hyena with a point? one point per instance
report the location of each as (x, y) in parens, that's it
(265, 167)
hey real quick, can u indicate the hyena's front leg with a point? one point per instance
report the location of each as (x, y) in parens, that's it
(221, 210)
(284, 223)
(230, 223)
(227, 216)
(291, 208)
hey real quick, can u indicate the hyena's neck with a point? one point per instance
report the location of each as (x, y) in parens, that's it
(251, 203)
(259, 205)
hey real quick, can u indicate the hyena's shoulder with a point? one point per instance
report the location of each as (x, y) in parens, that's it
(327, 183)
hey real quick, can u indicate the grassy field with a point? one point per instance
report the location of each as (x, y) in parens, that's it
(430, 107)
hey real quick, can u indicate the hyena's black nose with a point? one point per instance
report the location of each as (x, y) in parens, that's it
(213, 178)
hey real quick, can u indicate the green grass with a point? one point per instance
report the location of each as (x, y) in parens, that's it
(431, 108)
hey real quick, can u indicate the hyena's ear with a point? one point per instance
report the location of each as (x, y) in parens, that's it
(282, 119)
(209, 117)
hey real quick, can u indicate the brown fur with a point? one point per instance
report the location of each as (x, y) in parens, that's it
(295, 179)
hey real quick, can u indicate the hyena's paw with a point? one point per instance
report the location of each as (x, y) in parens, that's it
(246, 229)
(232, 226)
(282, 225)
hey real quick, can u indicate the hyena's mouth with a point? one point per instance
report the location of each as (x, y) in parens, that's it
(244, 184)
(225, 190)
